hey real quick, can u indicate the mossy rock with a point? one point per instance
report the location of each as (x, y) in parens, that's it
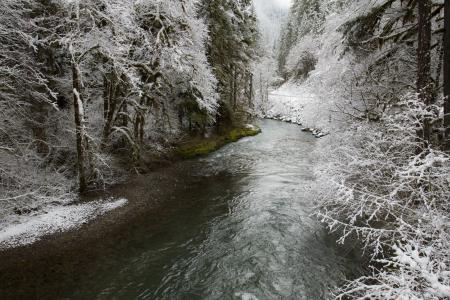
(201, 147)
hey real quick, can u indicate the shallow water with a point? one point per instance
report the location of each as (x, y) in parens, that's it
(239, 227)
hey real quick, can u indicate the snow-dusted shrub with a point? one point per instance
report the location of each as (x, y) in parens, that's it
(414, 272)
(384, 188)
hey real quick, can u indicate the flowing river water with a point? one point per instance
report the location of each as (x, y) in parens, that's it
(239, 227)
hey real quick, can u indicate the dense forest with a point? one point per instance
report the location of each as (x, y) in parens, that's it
(99, 94)
(377, 75)
(89, 88)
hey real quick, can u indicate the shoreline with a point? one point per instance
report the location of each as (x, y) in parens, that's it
(50, 257)
(28, 229)
(26, 267)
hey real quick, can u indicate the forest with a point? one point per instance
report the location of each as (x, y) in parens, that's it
(84, 83)
(382, 69)
(257, 140)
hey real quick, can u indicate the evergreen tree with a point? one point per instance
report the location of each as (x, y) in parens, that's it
(305, 17)
(231, 49)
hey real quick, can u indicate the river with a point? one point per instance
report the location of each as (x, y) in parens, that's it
(239, 227)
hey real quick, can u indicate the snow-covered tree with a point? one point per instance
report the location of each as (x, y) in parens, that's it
(231, 48)
(84, 80)
(385, 186)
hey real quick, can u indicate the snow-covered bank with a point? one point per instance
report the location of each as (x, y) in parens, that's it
(384, 184)
(31, 228)
(287, 103)
(296, 104)
(394, 201)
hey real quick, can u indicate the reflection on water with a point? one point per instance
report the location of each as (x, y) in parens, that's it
(238, 227)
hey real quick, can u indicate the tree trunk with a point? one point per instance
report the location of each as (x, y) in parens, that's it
(424, 82)
(139, 123)
(125, 114)
(105, 96)
(447, 76)
(39, 129)
(111, 106)
(79, 112)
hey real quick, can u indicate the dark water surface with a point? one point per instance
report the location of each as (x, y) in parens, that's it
(238, 227)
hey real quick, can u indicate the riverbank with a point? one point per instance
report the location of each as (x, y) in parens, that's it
(28, 226)
(202, 146)
(372, 171)
(236, 222)
(46, 246)
(25, 269)
(295, 104)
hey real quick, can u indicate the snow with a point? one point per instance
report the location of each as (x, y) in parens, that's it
(369, 168)
(419, 262)
(297, 104)
(80, 104)
(250, 127)
(29, 229)
(246, 296)
(287, 103)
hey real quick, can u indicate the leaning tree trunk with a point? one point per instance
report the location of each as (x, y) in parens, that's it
(79, 113)
(447, 76)
(424, 82)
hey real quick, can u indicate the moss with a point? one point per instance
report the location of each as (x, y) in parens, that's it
(238, 133)
(199, 147)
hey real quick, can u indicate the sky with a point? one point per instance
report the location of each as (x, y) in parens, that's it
(277, 3)
(281, 3)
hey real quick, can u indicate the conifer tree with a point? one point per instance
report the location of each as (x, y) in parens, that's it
(233, 38)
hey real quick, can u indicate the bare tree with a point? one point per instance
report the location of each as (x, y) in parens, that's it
(82, 139)
(79, 126)
(149, 53)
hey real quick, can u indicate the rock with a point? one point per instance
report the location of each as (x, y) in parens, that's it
(321, 134)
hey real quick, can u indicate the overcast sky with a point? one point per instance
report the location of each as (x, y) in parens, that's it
(282, 3)
(279, 3)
